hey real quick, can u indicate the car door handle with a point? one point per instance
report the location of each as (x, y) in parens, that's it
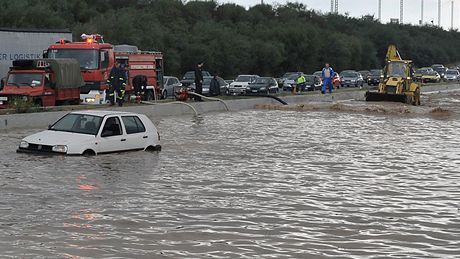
(123, 139)
(145, 136)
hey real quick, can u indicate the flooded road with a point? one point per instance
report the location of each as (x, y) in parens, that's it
(253, 184)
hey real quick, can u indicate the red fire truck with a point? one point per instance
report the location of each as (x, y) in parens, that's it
(141, 63)
(96, 59)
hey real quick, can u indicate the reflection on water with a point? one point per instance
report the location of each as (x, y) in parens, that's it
(249, 184)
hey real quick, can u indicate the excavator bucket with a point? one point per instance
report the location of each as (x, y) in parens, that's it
(385, 97)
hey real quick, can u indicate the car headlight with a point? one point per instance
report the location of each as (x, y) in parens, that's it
(248, 88)
(60, 148)
(24, 144)
(90, 100)
(263, 88)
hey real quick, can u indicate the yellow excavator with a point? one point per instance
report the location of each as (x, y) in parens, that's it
(397, 83)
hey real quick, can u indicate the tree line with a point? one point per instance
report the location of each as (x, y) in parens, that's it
(264, 39)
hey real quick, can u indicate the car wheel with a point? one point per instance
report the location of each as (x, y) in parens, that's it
(89, 152)
(164, 94)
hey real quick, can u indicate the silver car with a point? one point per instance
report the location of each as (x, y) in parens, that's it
(171, 85)
(241, 82)
(452, 75)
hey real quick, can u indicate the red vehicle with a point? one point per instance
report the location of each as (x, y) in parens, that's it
(336, 82)
(142, 63)
(45, 82)
(96, 59)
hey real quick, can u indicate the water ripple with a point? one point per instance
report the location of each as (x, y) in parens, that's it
(255, 184)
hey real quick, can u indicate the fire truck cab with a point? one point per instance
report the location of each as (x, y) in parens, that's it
(96, 59)
(141, 63)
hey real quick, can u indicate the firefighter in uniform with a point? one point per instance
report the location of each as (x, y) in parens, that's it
(117, 85)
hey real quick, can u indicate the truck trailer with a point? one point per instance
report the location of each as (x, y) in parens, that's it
(26, 44)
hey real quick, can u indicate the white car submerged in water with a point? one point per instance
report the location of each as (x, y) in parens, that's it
(94, 132)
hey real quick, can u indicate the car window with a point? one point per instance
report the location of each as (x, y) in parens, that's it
(111, 127)
(221, 81)
(133, 124)
(78, 123)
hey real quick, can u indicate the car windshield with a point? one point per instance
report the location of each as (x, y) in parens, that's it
(88, 58)
(349, 74)
(244, 79)
(293, 77)
(207, 81)
(25, 79)
(310, 79)
(451, 72)
(288, 74)
(397, 69)
(78, 123)
(189, 75)
(375, 72)
(262, 80)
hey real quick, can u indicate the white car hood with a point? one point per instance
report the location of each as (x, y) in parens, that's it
(239, 83)
(51, 137)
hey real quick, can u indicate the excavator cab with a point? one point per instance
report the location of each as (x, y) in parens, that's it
(397, 84)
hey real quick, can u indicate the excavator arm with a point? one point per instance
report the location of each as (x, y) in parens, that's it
(392, 54)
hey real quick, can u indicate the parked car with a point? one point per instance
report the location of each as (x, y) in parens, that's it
(313, 83)
(440, 69)
(241, 82)
(207, 83)
(419, 72)
(351, 78)
(320, 75)
(262, 85)
(374, 77)
(94, 132)
(285, 77)
(290, 82)
(189, 77)
(452, 75)
(336, 81)
(431, 77)
(365, 74)
(171, 85)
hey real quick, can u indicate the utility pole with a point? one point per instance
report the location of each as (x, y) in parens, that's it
(452, 16)
(421, 12)
(332, 6)
(439, 13)
(336, 6)
(380, 10)
(401, 11)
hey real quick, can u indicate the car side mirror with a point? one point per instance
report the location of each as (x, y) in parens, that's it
(49, 126)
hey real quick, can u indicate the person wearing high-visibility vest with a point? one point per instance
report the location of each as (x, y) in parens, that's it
(117, 85)
(300, 82)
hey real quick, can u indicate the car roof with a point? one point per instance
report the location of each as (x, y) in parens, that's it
(102, 113)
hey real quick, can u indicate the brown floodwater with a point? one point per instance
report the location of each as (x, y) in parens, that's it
(252, 184)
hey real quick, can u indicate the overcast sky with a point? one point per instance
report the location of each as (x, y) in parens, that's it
(390, 9)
